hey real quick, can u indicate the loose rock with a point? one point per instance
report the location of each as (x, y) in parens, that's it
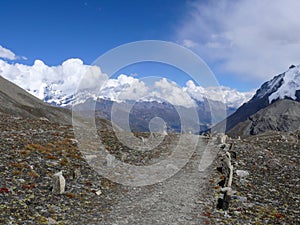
(59, 183)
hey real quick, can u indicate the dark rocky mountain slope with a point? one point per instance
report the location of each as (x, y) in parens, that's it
(282, 115)
(17, 102)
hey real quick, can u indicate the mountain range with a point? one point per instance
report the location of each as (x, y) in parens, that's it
(57, 85)
(275, 105)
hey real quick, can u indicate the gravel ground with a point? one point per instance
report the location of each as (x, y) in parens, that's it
(32, 151)
(177, 200)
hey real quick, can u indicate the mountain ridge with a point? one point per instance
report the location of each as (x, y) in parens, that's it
(17, 102)
(283, 86)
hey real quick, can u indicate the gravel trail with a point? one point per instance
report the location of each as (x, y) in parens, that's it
(177, 200)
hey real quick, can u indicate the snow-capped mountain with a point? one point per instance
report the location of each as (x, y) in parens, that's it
(57, 85)
(290, 85)
(231, 97)
(282, 86)
(285, 85)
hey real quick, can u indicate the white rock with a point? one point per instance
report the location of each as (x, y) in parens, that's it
(110, 160)
(99, 192)
(90, 157)
(242, 198)
(44, 119)
(242, 173)
(223, 190)
(221, 138)
(51, 221)
(236, 213)
(59, 183)
(74, 141)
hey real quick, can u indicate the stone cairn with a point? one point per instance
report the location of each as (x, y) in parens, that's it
(227, 169)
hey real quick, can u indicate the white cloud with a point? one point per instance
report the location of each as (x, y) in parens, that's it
(54, 82)
(171, 92)
(252, 39)
(189, 43)
(124, 88)
(7, 54)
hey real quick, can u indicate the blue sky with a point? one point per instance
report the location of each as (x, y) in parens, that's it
(244, 42)
(54, 31)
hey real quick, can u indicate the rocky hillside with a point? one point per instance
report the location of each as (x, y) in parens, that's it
(266, 188)
(141, 113)
(15, 101)
(282, 115)
(31, 151)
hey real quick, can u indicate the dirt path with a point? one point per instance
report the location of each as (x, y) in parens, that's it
(177, 200)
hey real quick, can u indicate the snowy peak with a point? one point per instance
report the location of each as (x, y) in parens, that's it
(282, 86)
(269, 87)
(231, 97)
(289, 86)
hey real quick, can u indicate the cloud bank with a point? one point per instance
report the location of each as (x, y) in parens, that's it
(251, 39)
(58, 84)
